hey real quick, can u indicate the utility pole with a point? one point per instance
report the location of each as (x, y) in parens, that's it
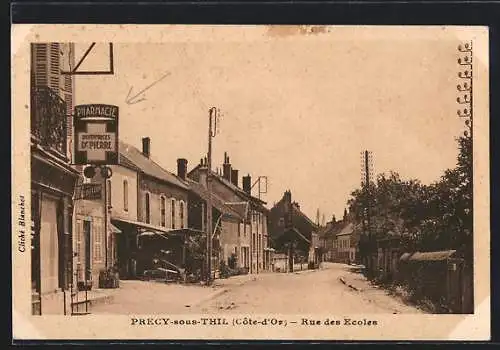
(466, 74)
(212, 130)
(466, 87)
(366, 172)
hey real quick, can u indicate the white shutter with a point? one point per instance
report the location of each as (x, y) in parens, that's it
(97, 241)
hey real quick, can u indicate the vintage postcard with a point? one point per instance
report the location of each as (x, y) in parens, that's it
(250, 182)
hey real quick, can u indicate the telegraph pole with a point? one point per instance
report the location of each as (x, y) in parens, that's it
(212, 129)
(365, 180)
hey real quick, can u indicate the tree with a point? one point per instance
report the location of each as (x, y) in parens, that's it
(426, 217)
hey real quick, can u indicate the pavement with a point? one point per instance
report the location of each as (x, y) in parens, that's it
(334, 288)
(358, 283)
(136, 296)
(307, 292)
(53, 303)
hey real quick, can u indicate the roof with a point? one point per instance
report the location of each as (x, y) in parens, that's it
(234, 188)
(331, 229)
(346, 230)
(131, 156)
(428, 256)
(127, 163)
(298, 211)
(297, 232)
(217, 202)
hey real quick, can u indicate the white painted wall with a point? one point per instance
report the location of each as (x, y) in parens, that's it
(117, 193)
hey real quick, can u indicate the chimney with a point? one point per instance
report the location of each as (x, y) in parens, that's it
(288, 197)
(234, 177)
(146, 146)
(226, 168)
(182, 168)
(247, 184)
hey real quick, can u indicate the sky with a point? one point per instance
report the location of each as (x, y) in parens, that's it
(295, 107)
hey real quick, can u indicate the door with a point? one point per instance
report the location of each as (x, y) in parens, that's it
(49, 246)
(87, 249)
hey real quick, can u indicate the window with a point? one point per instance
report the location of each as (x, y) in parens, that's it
(108, 192)
(172, 214)
(148, 212)
(181, 209)
(163, 204)
(98, 238)
(78, 242)
(125, 195)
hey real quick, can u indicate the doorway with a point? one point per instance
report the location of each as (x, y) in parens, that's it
(87, 258)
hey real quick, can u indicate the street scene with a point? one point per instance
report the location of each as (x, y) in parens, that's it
(251, 294)
(259, 176)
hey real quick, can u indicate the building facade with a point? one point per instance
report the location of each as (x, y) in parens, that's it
(242, 238)
(291, 231)
(149, 205)
(53, 180)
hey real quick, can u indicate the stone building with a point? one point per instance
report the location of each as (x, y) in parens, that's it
(243, 235)
(150, 207)
(52, 178)
(291, 230)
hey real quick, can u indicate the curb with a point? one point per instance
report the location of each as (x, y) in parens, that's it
(342, 279)
(304, 271)
(102, 300)
(95, 301)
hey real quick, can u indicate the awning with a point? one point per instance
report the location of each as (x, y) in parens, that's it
(187, 231)
(428, 256)
(405, 257)
(114, 229)
(147, 229)
(152, 234)
(138, 224)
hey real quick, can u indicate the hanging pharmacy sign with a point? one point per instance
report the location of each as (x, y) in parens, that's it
(96, 134)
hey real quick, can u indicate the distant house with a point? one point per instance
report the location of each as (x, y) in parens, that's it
(241, 218)
(328, 240)
(346, 247)
(291, 230)
(340, 240)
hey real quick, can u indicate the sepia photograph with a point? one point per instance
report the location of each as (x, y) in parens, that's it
(322, 182)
